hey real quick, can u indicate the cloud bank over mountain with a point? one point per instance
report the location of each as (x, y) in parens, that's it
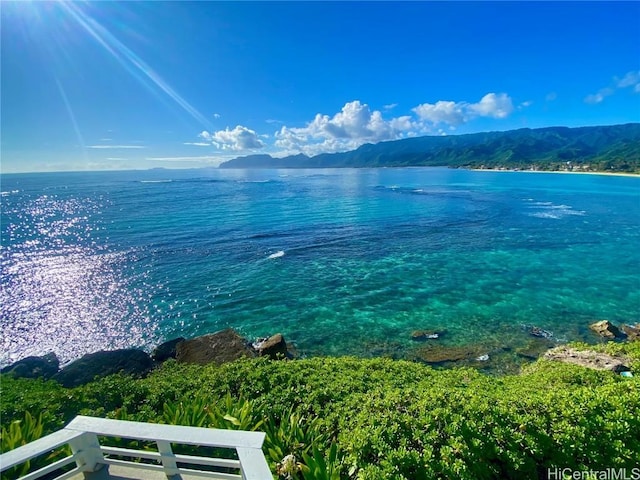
(357, 123)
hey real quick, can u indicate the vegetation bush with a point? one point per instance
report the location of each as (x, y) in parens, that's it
(376, 419)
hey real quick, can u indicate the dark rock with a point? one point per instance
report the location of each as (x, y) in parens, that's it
(421, 335)
(588, 358)
(632, 332)
(166, 350)
(34, 367)
(606, 329)
(100, 364)
(218, 348)
(274, 347)
(537, 332)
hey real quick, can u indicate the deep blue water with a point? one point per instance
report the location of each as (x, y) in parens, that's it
(339, 261)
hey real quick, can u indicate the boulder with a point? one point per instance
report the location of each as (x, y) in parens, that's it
(421, 335)
(34, 367)
(588, 358)
(632, 332)
(606, 329)
(221, 347)
(274, 347)
(537, 332)
(100, 364)
(166, 350)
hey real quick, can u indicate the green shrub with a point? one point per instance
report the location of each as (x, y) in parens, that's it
(20, 432)
(379, 418)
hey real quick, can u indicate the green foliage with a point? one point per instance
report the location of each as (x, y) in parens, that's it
(371, 419)
(292, 434)
(20, 432)
(317, 466)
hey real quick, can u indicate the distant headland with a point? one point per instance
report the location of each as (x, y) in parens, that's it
(606, 149)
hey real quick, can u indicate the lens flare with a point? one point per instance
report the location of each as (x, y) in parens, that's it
(130, 61)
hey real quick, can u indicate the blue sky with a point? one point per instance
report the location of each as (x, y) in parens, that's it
(118, 85)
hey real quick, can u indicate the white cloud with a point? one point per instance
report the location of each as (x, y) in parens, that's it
(442, 112)
(181, 162)
(198, 144)
(240, 138)
(216, 115)
(629, 80)
(114, 146)
(356, 124)
(205, 158)
(456, 113)
(599, 96)
(594, 98)
(525, 104)
(404, 123)
(494, 106)
(390, 106)
(353, 126)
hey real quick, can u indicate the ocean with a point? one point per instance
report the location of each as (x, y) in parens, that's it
(342, 262)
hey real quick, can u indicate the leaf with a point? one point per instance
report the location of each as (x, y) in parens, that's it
(231, 419)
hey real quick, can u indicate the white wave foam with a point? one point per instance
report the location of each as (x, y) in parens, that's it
(277, 254)
(549, 210)
(156, 181)
(7, 193)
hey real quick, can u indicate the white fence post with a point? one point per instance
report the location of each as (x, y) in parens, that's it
(168, 458)
(86, 448)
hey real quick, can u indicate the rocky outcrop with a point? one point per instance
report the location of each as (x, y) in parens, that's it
(221, 347)
(274, 347)
(537, 332)
(632, 332)
(421, 335)
(588, 358)
(606, 329)
(166, 350)
(100, 364)
(34, 367)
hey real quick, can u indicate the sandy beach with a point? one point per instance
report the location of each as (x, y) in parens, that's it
(613, 174)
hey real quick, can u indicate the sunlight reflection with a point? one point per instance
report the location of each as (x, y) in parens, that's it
(61, 290)
(130, 61)
(72, 117)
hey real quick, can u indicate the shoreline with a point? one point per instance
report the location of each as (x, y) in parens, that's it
(609, 174)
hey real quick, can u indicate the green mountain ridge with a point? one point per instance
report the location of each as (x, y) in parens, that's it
(614, 148)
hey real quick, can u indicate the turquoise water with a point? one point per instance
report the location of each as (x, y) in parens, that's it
(339, 261)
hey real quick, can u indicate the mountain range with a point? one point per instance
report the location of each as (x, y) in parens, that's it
(614, 148)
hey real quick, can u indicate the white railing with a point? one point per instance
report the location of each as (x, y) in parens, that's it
(89, 455)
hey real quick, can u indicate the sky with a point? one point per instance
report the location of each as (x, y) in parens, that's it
(134, 85)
